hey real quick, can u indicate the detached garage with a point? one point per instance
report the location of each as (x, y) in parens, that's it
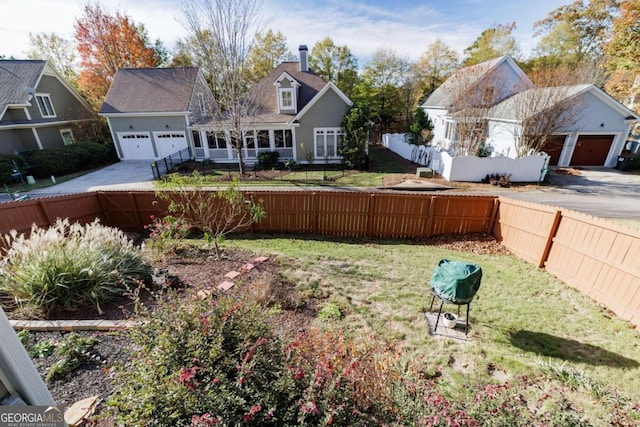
(150, 109)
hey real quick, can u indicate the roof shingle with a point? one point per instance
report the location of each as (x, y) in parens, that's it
(150, 90)
(15, 77)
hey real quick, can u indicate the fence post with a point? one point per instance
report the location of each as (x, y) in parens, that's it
(429, 225)
(550, 237)
(494, 215)
(370, 218)
(43, 208)
(315, 212)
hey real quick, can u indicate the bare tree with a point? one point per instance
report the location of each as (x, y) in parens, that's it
(540, 115)
(470, 94)
(231, 26)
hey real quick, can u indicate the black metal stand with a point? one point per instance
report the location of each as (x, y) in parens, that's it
(442, 301)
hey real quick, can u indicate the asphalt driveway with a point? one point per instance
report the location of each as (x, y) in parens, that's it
(597, 191)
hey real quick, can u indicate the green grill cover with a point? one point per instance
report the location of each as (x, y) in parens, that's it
(456, 281)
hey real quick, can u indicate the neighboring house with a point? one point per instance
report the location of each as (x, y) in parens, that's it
(296, 114)
(38, 108)
(483, 84)
(594, 135)
(149, 110)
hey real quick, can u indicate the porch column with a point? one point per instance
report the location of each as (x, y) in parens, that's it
(205, 143)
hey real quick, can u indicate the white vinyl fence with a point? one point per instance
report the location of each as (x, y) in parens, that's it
(467, 168)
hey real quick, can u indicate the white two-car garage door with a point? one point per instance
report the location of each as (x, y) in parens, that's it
(170, 142)
(136, 146)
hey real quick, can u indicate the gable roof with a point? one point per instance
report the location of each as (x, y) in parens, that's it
(266, 97)
(15, 77)
(150, 90)
(508, 109)
(472, 74)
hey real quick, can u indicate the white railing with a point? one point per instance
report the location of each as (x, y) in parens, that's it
(467, 168)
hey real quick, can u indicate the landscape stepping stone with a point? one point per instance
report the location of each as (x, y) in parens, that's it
(248, 267)
(261, 259)
(80, 411)
(203, 293)
(226, 285)
(232, 274)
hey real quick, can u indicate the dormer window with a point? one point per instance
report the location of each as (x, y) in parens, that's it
(45, 105)
(286, 99)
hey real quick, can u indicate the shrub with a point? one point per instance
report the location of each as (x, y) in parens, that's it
(69, 266)
(8, 164)
(268, 159)
(69, 159)
(330, 311)
(213, 361)
(500, 179)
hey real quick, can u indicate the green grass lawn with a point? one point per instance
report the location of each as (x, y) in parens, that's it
(522, 316)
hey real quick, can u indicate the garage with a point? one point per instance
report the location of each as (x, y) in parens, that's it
(553, 147)
(170, 142)
(136, 146)
(591, 150)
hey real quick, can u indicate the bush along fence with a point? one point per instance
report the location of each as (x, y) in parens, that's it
(599, 258)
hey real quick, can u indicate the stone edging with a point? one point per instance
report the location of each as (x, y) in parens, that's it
(71, 325)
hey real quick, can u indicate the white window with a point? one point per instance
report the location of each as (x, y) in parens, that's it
(286, 99)
(45, 105)
(216, 140)
(67, 136)
(327, 141)
(283, 138)
(203, 106)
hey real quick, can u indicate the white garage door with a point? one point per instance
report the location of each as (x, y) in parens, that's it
(170, 142)
(136, 146)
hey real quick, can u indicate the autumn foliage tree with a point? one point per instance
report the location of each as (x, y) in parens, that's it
(106, 43)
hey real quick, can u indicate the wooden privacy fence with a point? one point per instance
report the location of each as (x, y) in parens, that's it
(597, 257)
(348, 214)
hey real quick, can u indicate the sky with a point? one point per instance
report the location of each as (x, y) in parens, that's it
(407, 26)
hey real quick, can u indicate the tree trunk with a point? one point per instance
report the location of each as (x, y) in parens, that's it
(240, 160)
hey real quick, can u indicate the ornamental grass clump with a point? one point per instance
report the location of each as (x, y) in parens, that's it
(70, 266)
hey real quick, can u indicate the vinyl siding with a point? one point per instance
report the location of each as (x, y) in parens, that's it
(327, 112)
(66, 106)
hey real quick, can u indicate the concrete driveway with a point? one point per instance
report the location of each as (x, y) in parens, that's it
(597, 191)
(129, 175)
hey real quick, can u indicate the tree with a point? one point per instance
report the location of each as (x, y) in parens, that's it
(105, 44)
(421, 127)
(622, 52)
(576, 32)
(216, 213)
(382, 88)
(356, 127)
(224, 30)
(269, 50)
(471, 93)
(334, 63)
(60, 52)
(540, 115)
(437, 63)
(493, 42)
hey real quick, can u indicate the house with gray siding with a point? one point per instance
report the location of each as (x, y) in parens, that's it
(296, 113)
(150, 110)
(38, 108)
